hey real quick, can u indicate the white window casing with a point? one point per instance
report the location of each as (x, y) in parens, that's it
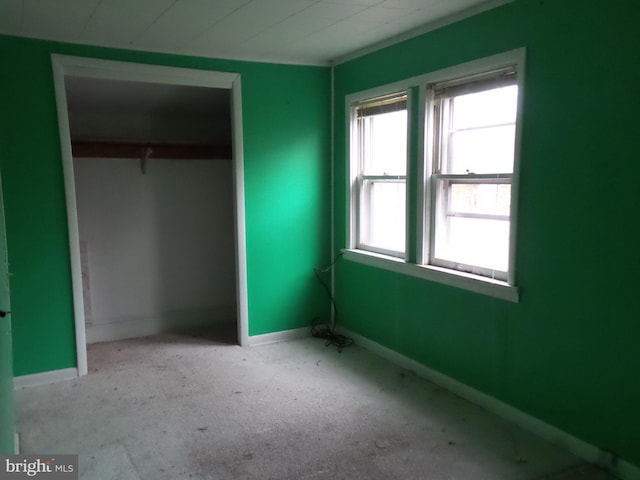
(467, 185)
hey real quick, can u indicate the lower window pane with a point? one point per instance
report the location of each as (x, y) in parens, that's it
(480, 198)
(386, 215)
(473, 241)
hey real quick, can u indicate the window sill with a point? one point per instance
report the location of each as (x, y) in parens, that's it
(466, 281)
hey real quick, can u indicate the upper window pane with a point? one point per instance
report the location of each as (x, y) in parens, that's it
(484, 150)
(383, 137)
(497, 106)
(480, 135)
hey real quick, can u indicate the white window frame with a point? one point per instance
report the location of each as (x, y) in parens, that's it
(436, 157)
(503, 288)
(356, 191)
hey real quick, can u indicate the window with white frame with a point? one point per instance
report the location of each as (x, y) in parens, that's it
(472, 129)
(380, 149)
(465, 164)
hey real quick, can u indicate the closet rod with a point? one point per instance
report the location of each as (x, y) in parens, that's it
(106, 149)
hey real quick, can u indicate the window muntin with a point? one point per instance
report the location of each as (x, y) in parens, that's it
(473, 129)
(381, 150)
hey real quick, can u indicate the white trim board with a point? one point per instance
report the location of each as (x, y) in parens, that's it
(64, 65)
(45, 377)
(554, 435)
(240, 221)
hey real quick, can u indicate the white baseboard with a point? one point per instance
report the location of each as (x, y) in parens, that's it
(45, 377)
(578, 447)
(283, 336)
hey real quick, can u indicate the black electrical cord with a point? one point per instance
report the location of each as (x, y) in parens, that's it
(324, 331)
(336, 339)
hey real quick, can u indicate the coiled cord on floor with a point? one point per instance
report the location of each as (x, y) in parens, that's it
(336, 339)
(324, 331)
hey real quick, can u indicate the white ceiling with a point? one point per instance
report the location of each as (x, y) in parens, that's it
(314, 32)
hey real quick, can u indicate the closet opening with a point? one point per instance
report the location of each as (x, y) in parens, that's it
(153, 177)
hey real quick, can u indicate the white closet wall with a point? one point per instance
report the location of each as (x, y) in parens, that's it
(159, 248)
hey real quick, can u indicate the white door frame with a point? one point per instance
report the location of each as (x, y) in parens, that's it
(63, 66)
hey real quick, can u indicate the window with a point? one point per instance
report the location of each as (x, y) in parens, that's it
(458, 182)
(472, 131)
(381, 152)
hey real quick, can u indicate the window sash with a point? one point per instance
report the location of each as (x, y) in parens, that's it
(369, 211)
(441, 214)
(365, 213)
(365, 113)
(443, 132)
(473, 179)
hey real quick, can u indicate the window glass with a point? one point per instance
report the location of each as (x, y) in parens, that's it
(386, 219)
(472, 225)
(381, 136)
(481, 135)
(480, 198)
(473, 242)
(385, 143)
(487, 150)
(474, 136)
(490, 107)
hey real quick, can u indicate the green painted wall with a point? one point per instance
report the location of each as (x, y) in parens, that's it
(286, 115)
(568, 352)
